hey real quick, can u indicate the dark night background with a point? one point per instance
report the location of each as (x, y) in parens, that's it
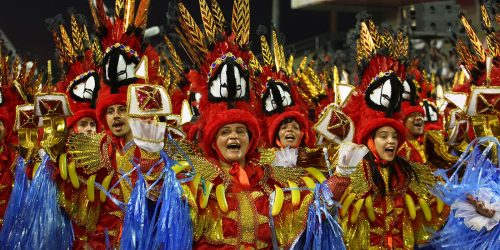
(22, 21)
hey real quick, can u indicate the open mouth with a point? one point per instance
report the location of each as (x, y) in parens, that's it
(233, 146)
(290, 137)
(118, 124)
(418, 124)
(390, 150)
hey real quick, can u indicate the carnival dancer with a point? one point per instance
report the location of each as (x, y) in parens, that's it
(9, 99)
(413, 119)
(393, 192)
(102, 159)
(231, 191)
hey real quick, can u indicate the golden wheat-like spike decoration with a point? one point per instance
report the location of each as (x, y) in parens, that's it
(467, 57)
(208, 20)
(85, 36)
(77, 36)
(282, 57)
(141, 17)
(58, 44)
(240, 23)
(175, 56)
(254, 63)
(493, 45)
(96, 48)
(302, 64)
(218, 16)
(119, 7)
(289, 66)
(69, 54)
(266, 51)
(406, 47)
(367, 45)
(276, 51)
(173, 69)
(193, 32)
(129, 14)
(187, 47)
(485, 18)
(399, 46)
(476, 43)
(374, 34)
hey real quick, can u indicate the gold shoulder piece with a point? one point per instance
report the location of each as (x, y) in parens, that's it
(85, 150)
(267, 156)
(284, 174)
(425, 179)
(179, 149)
(438, 150)
(359, 184)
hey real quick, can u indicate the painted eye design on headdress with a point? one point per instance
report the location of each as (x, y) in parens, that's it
(409, 91)
(229, 83)
(84, 88)
(384, 93)
(431, 112)
(276, 97)
(194, 100)
(119, 66)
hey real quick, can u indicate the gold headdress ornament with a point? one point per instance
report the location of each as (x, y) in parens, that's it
(196, 43)
(476, 58)
(309, 82)
(124, 10)
(273, 58)
(372, 42)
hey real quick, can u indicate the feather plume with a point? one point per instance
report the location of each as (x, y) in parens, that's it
(129, 14)
(218, 16)
(289, 66)
(208, 20)
(142, 14)
(240, 23)
(476, 43)
(93, 11)
(276, 49)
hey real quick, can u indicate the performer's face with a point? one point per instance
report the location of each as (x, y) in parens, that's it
(386, 142)
(415, 124)
(232, 140)
(86, 125)
(2, 131)
(290, 134)
(117, 120)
